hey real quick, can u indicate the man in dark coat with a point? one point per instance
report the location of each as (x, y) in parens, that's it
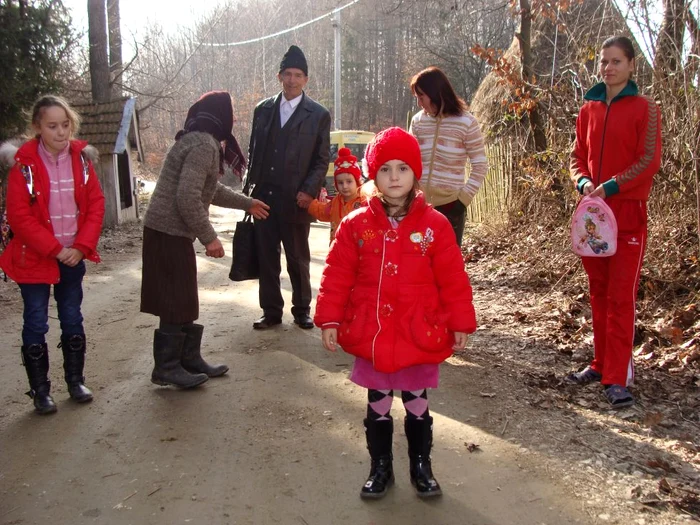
(288, 159)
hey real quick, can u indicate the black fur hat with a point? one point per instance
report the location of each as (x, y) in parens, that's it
(294, 57)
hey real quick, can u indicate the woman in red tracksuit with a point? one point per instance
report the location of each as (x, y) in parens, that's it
(395, 295)
(616, 155)
(55, 208)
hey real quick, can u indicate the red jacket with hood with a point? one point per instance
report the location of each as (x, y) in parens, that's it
(396, 295)
(30, 257)
(617, 145)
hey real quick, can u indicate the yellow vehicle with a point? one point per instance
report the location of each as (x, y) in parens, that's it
(355, 141)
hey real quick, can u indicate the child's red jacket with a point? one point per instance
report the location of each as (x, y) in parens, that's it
(617, 145)
(31, 255)
(396, 295)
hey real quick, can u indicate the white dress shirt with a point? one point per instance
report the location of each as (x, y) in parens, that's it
(287, 108)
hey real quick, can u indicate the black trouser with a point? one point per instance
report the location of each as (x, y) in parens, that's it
(456, 213)
(269, 233)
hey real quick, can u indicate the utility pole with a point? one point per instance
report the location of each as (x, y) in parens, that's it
(336, 83)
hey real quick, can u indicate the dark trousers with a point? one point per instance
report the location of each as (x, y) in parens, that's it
(269, 233)
(456, 213)
(68, 294)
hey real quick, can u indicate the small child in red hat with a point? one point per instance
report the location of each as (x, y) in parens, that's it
(347, 183)
(395, 295)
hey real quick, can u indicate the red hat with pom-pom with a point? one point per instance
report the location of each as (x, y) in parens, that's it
(393, 144)
(347, 163)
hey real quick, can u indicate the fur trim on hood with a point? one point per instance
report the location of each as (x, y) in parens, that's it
(9, 149)
(91, 154)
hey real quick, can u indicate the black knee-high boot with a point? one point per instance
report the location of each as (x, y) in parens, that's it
(35, 359)
(419, 433)
(381, 475)
(73, 347)
(192, 360)
(167, 369)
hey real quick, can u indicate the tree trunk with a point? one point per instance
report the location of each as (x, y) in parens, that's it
(667, 57)
(99, 63)
(115, 46)
(694, 55)
(527, 60)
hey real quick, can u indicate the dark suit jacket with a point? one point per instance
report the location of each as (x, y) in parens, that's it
(306, 158)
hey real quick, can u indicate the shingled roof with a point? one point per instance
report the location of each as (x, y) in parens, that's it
(107, 125)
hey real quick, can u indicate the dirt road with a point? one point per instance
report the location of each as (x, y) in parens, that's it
(277, 440)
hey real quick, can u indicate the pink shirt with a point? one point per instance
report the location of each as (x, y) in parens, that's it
(62, 206)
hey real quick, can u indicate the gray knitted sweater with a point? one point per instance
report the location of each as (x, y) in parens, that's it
(187, 185)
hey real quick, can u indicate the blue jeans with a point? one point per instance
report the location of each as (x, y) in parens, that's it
(68, 294)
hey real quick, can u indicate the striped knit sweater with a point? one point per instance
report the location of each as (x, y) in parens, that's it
(459, 141)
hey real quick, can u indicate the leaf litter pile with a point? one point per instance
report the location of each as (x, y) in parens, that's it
(531, 296)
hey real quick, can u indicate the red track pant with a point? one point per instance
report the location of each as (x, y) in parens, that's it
(613, 283)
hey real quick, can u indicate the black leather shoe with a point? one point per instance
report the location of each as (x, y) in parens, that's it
(304, 321)
(266, 322)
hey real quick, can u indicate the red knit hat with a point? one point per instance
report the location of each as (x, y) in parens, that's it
(347, 163)
(393, 144)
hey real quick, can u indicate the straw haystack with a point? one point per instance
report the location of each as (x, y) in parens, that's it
(564, 62)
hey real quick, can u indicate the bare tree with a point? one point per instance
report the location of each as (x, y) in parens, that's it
(524, 37)
(99, 63)
(115, 46)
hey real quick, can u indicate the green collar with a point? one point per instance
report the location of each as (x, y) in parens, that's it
(597, 92)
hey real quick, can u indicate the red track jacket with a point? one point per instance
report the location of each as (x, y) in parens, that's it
(604, 153)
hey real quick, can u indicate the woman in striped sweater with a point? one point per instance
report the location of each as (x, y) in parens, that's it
(449, 137)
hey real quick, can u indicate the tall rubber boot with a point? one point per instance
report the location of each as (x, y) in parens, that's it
(35, 359)
(73, 347)
(379, 436)
(419, 433)
(167, 353)
(192, 354)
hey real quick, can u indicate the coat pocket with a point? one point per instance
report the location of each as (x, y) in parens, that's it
(24, 257)
(353, 328)
(428, 328)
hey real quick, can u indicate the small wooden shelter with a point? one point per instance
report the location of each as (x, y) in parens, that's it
(113, 128)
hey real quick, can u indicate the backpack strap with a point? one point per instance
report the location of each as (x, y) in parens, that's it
(86, 168)
(29, 181)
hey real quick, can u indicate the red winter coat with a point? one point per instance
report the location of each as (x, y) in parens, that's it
(396, 295)
(30, 258)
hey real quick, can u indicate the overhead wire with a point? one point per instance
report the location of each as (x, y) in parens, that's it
(284, 31)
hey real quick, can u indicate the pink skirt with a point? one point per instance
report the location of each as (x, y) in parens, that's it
(412, 378)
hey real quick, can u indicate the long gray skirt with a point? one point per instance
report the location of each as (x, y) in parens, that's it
(169, 277)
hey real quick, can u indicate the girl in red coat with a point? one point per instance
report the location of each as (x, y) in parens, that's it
(616, 155)
(394, 294)
(55, 208)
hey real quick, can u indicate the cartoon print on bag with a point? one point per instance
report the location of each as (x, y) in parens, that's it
(592, 237)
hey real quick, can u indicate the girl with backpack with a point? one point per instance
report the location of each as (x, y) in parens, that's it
(55, 208)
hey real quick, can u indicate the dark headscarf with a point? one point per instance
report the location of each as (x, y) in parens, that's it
(213, 114)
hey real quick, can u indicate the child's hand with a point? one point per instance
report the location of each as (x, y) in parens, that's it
(329, 337)
(70, 256)
(460, 341)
